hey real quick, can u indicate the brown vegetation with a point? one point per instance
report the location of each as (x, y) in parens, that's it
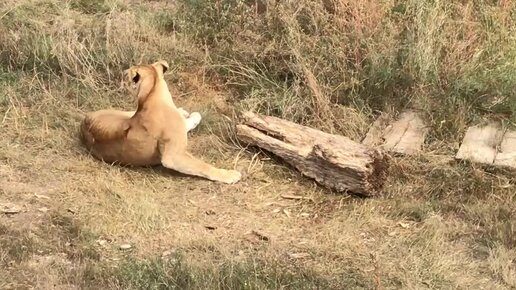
(328, 64)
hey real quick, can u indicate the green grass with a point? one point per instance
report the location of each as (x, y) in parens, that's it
(16, 246)
(178, 272)
(453, 60)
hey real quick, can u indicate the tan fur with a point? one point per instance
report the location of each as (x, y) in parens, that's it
(156, 133)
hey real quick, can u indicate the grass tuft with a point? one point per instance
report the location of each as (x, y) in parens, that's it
(176, 272)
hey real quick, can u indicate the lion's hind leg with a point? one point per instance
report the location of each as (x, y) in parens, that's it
(192, 120)
(104, 126)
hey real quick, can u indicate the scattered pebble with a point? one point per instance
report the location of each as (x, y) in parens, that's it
(404, 225)
(102, 242)
(125, 247)
(369, 240)
(166, 253)
(303, 242)
(43, 209)
(298, 255)
(9, 208)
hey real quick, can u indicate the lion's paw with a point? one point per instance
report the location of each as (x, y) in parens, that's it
(193, 121)
(196, 118)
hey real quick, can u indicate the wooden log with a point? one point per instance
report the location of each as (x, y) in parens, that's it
(334, 161)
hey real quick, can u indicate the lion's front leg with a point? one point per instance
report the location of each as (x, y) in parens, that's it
(177, 158)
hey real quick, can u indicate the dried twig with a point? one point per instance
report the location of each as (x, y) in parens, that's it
(296, 197)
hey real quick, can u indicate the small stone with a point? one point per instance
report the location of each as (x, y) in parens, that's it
(404, 225)
(9, 208)
(125, 247)
(298, 255)
(101, 242)
(41, 196)
(304, 214)
(43, 209)
(166, 253)
(303, 242)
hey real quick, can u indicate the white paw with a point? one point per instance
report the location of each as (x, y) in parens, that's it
(193, 120)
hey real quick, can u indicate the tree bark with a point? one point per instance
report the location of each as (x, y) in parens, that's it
(333, 161)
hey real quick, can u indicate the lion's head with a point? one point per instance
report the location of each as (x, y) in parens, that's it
(141, 79)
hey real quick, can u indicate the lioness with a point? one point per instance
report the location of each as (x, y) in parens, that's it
(156, 133)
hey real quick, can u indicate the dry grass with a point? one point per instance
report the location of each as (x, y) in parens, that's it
(329, 64)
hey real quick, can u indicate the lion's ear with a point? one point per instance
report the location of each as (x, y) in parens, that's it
(163, 64)
(135, 77)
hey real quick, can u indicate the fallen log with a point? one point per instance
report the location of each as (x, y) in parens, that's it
(334, 161)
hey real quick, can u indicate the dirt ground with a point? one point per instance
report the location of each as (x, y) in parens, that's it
(73, 208)
(68, 221)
